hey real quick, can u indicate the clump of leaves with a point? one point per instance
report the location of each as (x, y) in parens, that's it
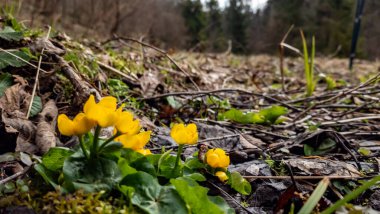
(267, 116)
(117, 88)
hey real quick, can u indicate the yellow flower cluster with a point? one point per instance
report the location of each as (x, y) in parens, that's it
(217, 158)
(182, 134)
(105, 114)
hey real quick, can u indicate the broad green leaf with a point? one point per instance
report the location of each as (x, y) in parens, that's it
(6, 81)
(9, 34)
(195, 196)
(90, 175)
(54, 158)
(36, 106)
(196, 176)
(165, 164)
(238, 116)
(222, 204)
(239, 184)
(194, 163)
(324, 147)
(151, 197)
(7, 59)
(272, 113)
(47, 175)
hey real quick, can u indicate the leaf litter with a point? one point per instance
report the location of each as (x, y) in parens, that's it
(281, 141)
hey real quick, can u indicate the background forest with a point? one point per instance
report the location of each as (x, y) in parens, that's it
(205, 26)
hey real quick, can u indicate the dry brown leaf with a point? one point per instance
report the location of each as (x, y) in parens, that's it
(45, 134)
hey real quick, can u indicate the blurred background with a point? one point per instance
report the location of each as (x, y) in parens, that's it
(252, 26)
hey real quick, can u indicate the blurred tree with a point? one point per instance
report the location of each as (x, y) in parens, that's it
(195, 20)
(214, 29)
(237, 22)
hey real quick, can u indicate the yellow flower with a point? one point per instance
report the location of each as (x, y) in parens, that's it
(135, 142)
(144, 151)
(104, 112)
(217, 158)
(221, 175)
(182, 134)
(127, 125)
(78, 126)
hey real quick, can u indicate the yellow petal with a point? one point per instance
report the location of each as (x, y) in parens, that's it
(127, 125)
(89, 103)
(65, 125)
(212, 160)
(82, 124)
(135, 142)
(108, 102)
(144, 151)
(221, 175)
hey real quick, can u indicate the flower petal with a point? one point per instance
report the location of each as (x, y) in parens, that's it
(65, 125)
(82, 124)
(89, 103)
(108, 102)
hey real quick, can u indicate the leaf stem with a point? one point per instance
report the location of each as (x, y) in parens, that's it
(95, 142)
(108, 141)
(179, 152)
(81, 143)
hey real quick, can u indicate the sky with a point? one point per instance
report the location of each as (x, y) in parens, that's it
(256, 4)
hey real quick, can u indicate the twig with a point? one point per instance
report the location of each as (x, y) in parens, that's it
(5, 180)
(282, 52)
(229, 196)
(301, 177)
(116, 71)
(37, 76)
(229, 90)
(376, 117)
(158, 50)
(343, 93)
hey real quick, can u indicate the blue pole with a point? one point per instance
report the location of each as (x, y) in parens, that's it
(355, 32)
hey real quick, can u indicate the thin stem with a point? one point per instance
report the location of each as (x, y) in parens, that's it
(108, 141)
(179, 152)
(95, 142)
(82, 146)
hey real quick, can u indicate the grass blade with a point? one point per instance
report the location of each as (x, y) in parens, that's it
(315, 196)
(352, 195)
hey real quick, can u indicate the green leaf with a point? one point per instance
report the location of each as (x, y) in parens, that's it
(9, 34)
(36, 106)
(364, 151)
(173, 103)
(6, 81)
(90, 175)
(324, 147)
(239, 184)
(238, 116)
(164, 164)
(47, 175)
(222, 204)
(151, 197)
(272, 113)
(195, 196)
(196, 176)
(7, 59)
(53, 160)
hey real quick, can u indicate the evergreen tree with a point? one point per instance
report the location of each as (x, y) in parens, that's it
(237, 23)
(195, 20)
(214, 30)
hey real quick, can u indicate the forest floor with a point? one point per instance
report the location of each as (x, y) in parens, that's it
(297, 141)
